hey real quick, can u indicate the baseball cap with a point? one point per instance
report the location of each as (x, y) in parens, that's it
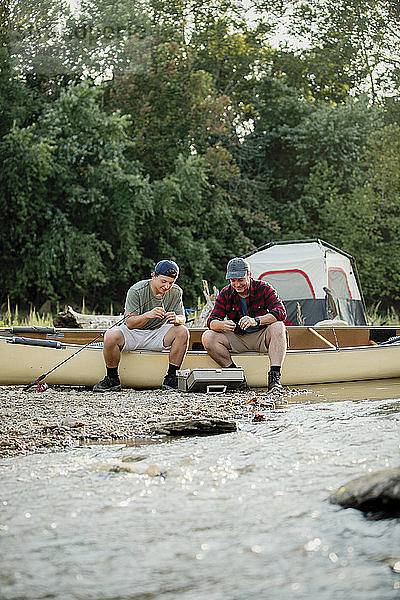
(236, 268)
(167, 267)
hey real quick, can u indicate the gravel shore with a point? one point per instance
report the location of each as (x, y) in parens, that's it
(64, 417)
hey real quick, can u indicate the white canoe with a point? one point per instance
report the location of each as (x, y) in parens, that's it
(315, 355)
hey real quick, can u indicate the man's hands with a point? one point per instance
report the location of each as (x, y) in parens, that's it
(155, 313)
(228, 325)
(160, 313)
(247, 321)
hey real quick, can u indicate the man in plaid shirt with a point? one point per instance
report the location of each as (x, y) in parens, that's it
(248, 316)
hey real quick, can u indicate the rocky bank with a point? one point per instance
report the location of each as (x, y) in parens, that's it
(65, 417)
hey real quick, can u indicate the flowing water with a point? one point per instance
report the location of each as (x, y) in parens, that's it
(230, 517)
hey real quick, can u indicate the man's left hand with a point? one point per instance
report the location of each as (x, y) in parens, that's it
(174, 319)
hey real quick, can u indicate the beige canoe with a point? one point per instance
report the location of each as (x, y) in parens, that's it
(315, 355)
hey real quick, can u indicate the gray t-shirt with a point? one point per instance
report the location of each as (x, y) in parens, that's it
(140, 299)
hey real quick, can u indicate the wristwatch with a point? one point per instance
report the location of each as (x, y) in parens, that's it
(257, 320)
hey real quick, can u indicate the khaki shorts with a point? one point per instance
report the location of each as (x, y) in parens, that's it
(248, 342)
(145, 339)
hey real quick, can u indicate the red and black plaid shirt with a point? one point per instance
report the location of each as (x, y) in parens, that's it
(262, 299)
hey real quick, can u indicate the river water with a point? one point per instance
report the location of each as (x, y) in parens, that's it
(230, 517)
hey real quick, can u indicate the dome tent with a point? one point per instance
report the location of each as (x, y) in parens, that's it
(315, 280)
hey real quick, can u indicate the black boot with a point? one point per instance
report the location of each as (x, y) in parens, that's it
(108, 384)
(274, 381)
(170, 382)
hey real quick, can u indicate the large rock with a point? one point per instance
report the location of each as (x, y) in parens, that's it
(196, 427)
(377, 492)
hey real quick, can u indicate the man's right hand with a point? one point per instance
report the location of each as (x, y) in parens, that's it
(228, 325)
(156, 313)
(218, 325)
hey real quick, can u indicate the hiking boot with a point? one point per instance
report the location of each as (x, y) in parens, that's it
(274, 382)
(170, 382)
(108, 385)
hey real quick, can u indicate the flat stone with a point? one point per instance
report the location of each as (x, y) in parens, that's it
(377, 492)
(196, 427)
(67, 422)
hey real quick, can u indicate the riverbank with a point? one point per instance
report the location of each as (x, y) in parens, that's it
(65, 417)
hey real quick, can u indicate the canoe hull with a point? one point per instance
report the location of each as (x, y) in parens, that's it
(20, 365)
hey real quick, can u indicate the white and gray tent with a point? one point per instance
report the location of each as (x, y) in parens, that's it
(315, 280)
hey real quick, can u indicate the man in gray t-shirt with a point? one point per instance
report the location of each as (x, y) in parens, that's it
(154, 320)
(140, 298)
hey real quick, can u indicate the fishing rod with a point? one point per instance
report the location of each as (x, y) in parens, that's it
(39, 379)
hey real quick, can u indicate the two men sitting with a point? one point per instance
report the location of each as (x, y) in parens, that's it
(248, 316)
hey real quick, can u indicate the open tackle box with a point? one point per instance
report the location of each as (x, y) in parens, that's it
(215, 381)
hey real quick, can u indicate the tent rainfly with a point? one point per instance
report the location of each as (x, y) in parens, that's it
(315, 280)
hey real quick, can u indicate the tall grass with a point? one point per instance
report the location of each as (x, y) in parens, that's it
(378, 316)
(12, 317)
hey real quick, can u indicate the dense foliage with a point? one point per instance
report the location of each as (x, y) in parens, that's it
(132, 130)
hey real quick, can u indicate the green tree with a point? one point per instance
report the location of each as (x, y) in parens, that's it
(107, 38)
(365, 221)
(195, 221)
(35, 34)
(75, 205)
(224, 44)
(349, 44)
(321, 73)
(292, 138)
(17, 102)
(330, 138)
(267, 154)
(173, 110)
